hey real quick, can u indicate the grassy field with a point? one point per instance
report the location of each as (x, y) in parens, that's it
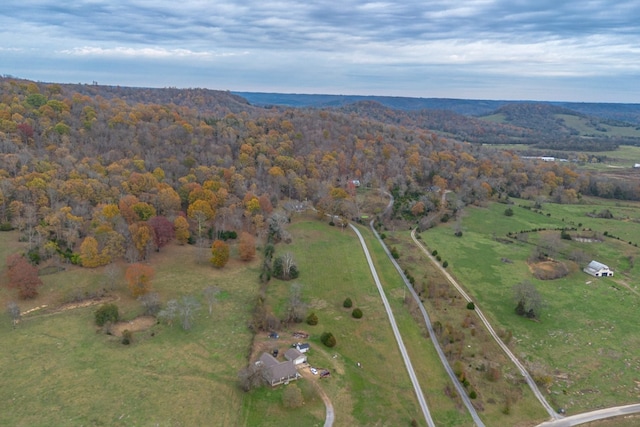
(57, 370)
(587, 339)
(333, 268)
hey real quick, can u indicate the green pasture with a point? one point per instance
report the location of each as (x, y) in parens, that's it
(587, 338)
(58, 369)
(333, 267)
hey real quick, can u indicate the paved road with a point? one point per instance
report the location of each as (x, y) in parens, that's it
(396, 332)
(587, 417)
(552, 413)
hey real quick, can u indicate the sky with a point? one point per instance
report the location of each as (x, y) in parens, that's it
(552, 50)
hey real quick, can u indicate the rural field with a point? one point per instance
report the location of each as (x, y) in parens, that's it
(586, 341)
(59, 368)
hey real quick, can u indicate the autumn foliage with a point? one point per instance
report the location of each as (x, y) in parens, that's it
(219, 253)
(23, 276)
(246, 246)
(139, 277)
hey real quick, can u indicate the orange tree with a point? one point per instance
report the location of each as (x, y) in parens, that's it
(219, 253)
(139, 277)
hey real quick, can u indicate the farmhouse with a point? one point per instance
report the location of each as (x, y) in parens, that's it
(294, 355)
(277, 372)
(597, 269)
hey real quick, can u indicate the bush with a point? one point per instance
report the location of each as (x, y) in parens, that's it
(471, 305)
(508, 212)
(434, 253)
(107, 313)
(473, 394)
(328, 339)
(312, 319)
(292, 397)
(347, 303)
(394, 253)
(127, 337)
(356, 313)
(445, 264)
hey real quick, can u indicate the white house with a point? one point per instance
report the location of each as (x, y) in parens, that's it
(294, 355)
(598, 269)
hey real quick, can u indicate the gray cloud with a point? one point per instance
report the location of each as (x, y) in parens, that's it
(484, 47)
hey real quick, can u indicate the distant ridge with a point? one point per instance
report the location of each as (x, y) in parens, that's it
(469, 107)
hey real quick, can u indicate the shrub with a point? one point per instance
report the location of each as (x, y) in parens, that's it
(312, 319)
(445, 264)
(394, 253)
(508, 212)
(292, 397)
(434, 253)
(328, 339)
(471, 305)
(127, 337)
(473, 394)
(347, 303)
(107, 313)
(356, 313)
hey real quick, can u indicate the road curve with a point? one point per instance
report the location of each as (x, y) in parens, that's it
(396, 332)
(587, 417)
(536, 391)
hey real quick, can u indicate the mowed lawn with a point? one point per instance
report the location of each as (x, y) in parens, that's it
(58, 369)
(588, 338)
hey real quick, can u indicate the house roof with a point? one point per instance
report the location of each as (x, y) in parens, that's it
(283, 370)
(596, 266)
(277, 371)
(301, 346)
(292, 354)
(268, 360)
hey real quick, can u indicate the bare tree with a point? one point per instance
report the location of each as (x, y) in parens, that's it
(188, 306)
(151, 303)
(211, 296)
(297, 308)
(14, 312)
(528, 300)
(252, 376)
(169, 313)
(111, 273)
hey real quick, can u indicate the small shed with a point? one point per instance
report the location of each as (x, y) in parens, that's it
(598, 269)
(294, 355)
(302, 347)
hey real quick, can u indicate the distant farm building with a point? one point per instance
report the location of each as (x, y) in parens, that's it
(598, 269)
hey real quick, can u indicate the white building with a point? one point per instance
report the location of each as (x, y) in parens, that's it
(598, 269)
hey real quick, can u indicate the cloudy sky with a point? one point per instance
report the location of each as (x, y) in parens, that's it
(561, 50)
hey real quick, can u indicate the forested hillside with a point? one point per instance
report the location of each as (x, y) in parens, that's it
(100, 173)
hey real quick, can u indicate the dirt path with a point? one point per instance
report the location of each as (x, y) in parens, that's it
(33, 313)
